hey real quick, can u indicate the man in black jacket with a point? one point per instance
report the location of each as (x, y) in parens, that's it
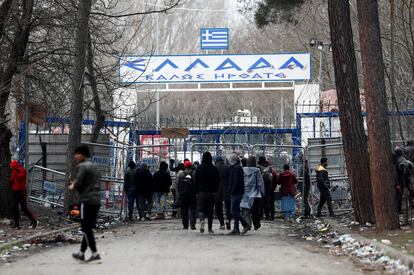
(129, 188)
(322, 181)
(206, 183)
(144, 189)
(236, 189)
(162, 184)
(221, 194)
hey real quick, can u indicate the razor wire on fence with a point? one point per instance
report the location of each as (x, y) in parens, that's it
(218, 149)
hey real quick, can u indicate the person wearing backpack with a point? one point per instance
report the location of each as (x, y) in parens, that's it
(206, 181)
(187, 196)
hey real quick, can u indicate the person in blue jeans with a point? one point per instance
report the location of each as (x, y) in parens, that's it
(287, 180)
(129, 188)
(236, 190)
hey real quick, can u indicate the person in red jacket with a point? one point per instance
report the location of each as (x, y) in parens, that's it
(287, 180)
(18, 185)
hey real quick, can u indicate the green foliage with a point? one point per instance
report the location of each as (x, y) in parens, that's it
(276, 12)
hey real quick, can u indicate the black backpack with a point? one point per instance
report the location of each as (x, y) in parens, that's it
(186, 184)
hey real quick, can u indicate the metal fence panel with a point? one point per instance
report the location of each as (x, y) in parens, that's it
(340, 189)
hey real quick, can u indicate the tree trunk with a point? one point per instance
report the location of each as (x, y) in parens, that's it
(352, 125)
(15, 57)
(74, 139)
(5, 190)
(99, 121)
(381, 167)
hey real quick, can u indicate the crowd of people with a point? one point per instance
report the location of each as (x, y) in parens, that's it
(233, 189)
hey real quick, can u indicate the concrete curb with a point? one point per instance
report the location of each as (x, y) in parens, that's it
(389, 251)
(38, 235)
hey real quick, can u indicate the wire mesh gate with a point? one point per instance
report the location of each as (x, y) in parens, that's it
(340, 189)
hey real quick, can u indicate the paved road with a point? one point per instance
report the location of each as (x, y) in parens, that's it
(164, 248)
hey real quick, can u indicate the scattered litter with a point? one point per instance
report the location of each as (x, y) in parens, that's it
(387, 242)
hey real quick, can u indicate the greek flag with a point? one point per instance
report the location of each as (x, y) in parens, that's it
(214, 38)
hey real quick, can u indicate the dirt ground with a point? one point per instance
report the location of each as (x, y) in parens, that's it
(162, 247)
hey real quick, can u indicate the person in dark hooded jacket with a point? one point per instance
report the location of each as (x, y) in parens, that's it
(287, 181)
(221, 194)
(236, 189)
(206, 183)
(162, 184)
(129, 188)
(144, 187)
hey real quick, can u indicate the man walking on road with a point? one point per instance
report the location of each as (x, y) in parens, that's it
(162, 183)
(144, 189)
(221, 194)
(236, 185)
(322, 181)
(206, 182)
(87, 183)
(187, 196)
(129, 188)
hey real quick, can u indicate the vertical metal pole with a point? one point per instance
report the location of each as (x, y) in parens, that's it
(320, 71)
(157, 49)
(26, 122)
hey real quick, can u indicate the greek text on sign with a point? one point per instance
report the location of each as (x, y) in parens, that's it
(215, 68)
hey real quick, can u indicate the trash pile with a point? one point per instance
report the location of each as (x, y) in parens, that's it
(345, 245)
(38, 243)
(104, 222)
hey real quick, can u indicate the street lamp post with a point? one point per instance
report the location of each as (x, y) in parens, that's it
(314, 42)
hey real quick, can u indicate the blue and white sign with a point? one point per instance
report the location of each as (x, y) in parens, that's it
(214, 38)
(214, 68)
(49, 186)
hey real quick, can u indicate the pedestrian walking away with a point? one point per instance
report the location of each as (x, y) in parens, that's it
(18, 179)
(254, 191)
(144, 187)
(87, 184)
(129, 188)
(222, 195)
(287, 181)
(162, 184)
(269, 179)
(323, 183)
(206, 181)
(187, 196)
(236, 187)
